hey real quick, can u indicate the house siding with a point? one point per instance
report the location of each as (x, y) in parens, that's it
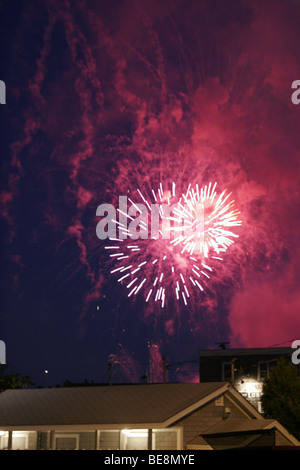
(206, 417)
(87, 440)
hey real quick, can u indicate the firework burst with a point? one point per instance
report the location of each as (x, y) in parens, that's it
(208, 221)
(166, 245)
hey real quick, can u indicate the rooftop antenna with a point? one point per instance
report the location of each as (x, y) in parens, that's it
(222, 345)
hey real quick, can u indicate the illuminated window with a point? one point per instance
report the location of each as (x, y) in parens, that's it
(3, 439)
(19, 440)
(134, 439)
(139, 439)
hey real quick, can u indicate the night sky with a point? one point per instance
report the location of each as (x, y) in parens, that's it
(104, 97)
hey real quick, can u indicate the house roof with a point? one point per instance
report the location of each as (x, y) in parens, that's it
(276, 352)
(240, 425)
(104, 405)
(229, 426)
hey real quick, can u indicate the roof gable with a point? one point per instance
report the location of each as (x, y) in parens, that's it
(230, 427)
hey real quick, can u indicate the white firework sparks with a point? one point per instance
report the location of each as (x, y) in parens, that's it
(173, 258)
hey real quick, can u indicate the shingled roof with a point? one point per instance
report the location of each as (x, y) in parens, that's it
(103, 405)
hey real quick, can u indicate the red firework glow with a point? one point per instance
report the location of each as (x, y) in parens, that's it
(170, 259)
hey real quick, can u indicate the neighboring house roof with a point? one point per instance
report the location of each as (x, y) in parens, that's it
(247, 352)
(112, 405)
(235, 426)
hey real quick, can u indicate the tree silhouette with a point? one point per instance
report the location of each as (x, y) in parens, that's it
(8, 381)
(281, 396)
